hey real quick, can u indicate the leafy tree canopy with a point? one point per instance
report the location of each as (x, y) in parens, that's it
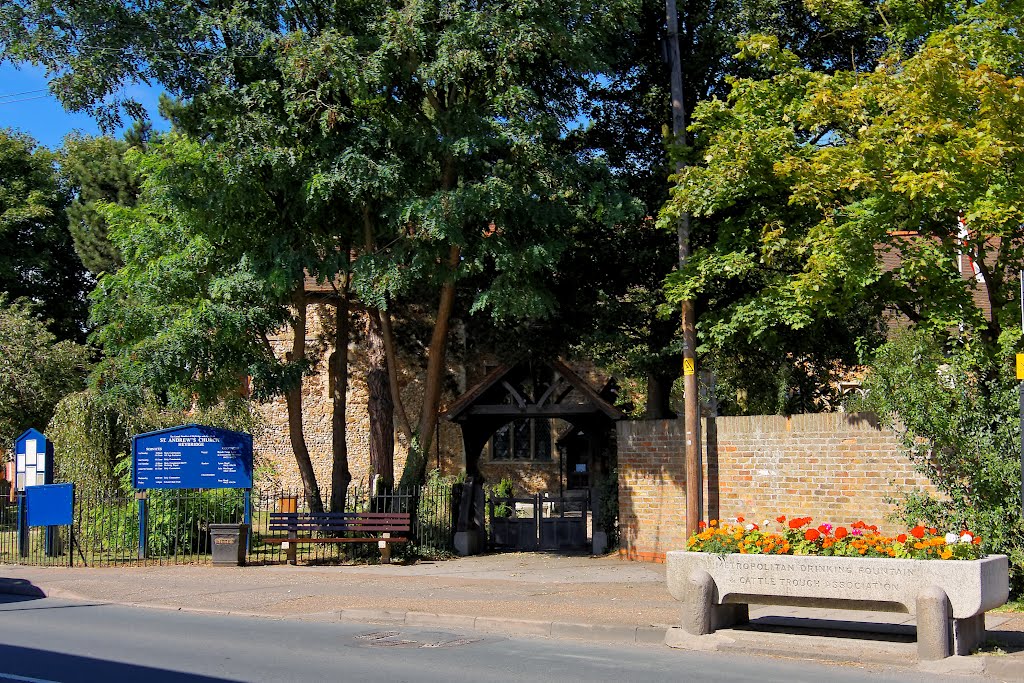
(36, 370)
(38, 261)
(807, 177)
(95, 171)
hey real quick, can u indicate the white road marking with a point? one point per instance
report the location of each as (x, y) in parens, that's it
(24, 679)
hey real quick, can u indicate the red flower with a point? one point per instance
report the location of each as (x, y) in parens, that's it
(841, 532)
(798, 522)
(823, 529)
(902, 538)
(917, 531)
(702, 524)
(933, 531)
(812, 535)
(740, 519)
(780, 519)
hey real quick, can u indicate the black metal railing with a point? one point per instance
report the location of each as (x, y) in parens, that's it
(106, 529)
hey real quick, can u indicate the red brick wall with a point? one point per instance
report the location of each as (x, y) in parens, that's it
(837, 468)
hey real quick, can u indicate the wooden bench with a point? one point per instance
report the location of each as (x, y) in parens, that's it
(367, 527)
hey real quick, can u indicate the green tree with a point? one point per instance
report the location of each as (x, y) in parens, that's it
(96, 172)
(38, 261)
(201, 295)
(961, 428)
(36, 370)
(808, 175)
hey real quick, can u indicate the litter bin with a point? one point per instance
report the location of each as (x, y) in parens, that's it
(228, 541)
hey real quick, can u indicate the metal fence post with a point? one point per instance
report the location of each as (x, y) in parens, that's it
(22, 527)
(141, 496)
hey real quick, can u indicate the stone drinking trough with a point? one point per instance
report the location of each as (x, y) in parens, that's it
(948, 597)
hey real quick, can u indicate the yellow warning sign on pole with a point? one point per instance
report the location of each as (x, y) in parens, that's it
(688, 366)
(1020, 366)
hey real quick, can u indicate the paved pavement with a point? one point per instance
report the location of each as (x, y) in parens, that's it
(591, 598)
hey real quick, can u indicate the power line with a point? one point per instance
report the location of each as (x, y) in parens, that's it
(26, 92)
(25, 99)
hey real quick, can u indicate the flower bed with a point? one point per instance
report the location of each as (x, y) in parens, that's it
(797, 536)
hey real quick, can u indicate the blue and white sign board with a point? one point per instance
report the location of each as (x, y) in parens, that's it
(33, 460)
(192, 457)
(49, 505)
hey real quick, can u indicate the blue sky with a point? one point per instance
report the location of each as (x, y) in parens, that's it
(27, 106)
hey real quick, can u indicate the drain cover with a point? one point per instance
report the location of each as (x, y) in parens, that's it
(425, 640)
(452, 643)
(377, 635)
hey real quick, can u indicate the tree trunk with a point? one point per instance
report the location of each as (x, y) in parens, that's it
(340, 474)
(293, 399)
(659, 394)
(416, 463)
(379, 404)
(401, 418)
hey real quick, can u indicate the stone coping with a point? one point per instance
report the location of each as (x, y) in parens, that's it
(973, 586)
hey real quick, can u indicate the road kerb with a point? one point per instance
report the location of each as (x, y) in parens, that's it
(463, 621)
(602, 632)
(377, 616)
(517, 627)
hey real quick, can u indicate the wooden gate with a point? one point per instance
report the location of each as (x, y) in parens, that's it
(538, 522)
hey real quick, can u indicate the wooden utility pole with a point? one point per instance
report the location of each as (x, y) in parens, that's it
(694, 477)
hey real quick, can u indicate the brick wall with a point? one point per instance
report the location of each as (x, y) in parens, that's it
(837, 467)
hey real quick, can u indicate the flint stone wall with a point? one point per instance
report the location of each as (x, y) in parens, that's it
(973, 587)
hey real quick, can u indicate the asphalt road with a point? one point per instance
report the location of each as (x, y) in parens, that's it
(48, 640)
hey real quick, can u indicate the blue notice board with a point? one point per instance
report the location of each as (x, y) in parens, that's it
(49, 504)
(192, 457)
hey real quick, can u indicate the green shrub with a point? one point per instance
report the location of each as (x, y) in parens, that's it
(503, 489)
(956, 413)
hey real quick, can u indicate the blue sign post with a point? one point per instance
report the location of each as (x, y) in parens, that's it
(190, 457)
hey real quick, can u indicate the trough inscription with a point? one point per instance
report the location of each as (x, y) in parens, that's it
(769, 573)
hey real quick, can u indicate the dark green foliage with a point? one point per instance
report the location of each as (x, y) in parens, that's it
(38, 260)
(96, 172)
(957, 415)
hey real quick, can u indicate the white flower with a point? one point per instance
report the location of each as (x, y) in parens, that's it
(952, 538)
(765, 523)
(749, 527)
(966, 538)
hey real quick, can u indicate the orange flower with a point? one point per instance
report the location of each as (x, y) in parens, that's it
(917, 531)
(780, 519)
(841, 532)
(902, 538)
(713, 522)
(933, 531)
(812, 534)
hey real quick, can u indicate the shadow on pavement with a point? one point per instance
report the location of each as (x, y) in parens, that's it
(19, 663)
(834, 628)
(14, 589)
